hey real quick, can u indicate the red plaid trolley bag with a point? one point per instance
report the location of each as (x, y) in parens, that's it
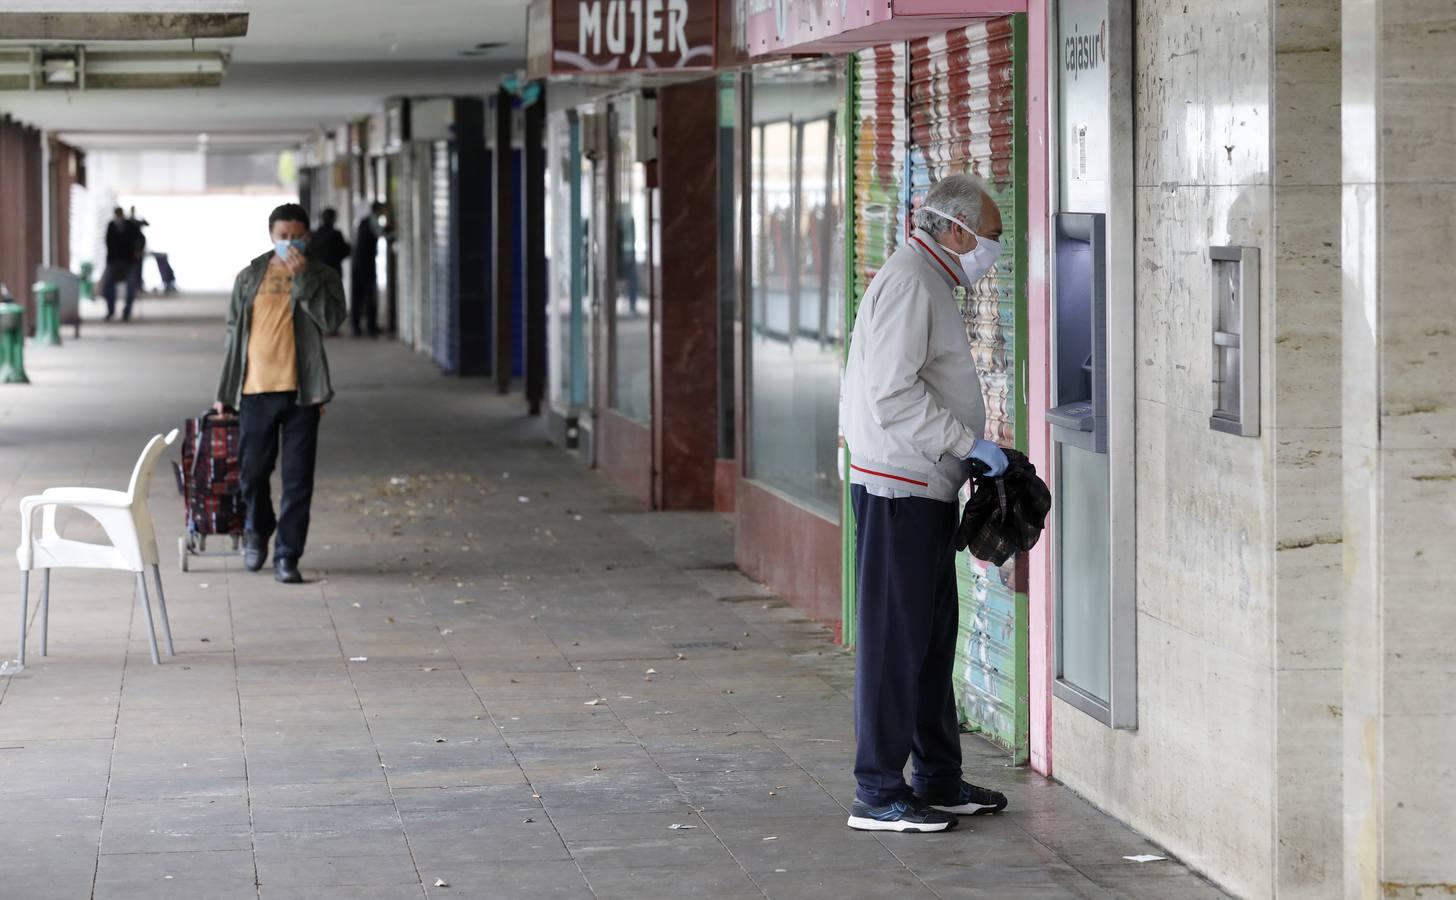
(207, 479)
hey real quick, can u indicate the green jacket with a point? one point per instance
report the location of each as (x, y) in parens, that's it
(319, 295)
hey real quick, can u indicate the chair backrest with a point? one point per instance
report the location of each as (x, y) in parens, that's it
(141, 476)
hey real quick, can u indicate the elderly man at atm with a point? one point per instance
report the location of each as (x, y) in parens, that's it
(913, 418)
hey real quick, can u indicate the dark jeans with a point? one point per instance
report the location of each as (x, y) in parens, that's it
(123, 273)
(904, 704)
(265, 422)
(364, 302)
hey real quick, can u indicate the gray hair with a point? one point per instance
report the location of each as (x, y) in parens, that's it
(958, 196)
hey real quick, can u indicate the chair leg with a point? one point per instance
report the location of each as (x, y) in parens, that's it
(162, 608)
(24, 613)
(45, 610)
(147, 612)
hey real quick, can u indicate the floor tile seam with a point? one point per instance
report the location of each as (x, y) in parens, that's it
(768, 736)
(379, 757)
(242, 726)
(485, 708)
(675, 786)
(111, 758)
(1015, 821)
(812, 777)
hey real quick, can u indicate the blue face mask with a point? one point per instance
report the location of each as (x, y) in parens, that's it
(280, 248)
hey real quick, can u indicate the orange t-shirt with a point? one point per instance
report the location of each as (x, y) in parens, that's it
(272, 360)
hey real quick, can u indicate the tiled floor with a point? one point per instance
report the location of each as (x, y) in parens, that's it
(501, 681)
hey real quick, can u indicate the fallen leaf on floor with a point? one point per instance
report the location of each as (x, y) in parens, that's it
(527, 821)
(462, 601)
(596, 768)
(681, 657)
(535, 796)
(651, 671)
(431, 668)
(596, 702)
(440, 882)
(681, 827)
(389, 619)
(524, 499)
(772, 837)
(477, 717)
(446, 631)
(358, 659)
(356, 605)
(439, 740)
(207, 640)
(1144, 857)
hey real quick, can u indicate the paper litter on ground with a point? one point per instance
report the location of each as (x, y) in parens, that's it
(1144, 857)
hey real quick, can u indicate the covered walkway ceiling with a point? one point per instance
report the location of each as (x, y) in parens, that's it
(301, 66)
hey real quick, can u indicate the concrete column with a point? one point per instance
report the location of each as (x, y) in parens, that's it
(1303, 350)
(1399, 443)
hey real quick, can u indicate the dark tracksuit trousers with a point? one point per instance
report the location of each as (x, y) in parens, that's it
(267, 421)
(904, 704)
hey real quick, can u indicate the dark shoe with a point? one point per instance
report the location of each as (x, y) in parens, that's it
(255, 552)
(972, 801)
(286, 572)
(902, 815)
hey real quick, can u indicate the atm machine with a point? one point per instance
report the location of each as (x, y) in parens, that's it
(1093, 362)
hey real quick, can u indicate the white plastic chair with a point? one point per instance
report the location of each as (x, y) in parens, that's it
(127, 521)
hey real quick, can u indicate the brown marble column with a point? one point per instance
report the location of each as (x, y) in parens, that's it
(685, 426)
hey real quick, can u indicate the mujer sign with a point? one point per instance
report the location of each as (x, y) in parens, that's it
(603, 36)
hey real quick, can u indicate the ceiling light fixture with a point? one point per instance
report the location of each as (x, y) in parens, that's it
(483, 48)
(74, 68)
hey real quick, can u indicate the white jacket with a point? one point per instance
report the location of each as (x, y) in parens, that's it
(911, 405)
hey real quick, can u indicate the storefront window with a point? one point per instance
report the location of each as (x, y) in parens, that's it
(796, 255)
(631, 393)
(568, 224)
(729, 234)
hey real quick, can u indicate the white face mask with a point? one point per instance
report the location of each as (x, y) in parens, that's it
(977, 261)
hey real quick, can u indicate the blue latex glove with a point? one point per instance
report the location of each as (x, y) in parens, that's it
(990, 456)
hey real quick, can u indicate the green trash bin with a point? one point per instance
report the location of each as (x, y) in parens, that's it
(87, 288)
(47, 314)
(12, 342)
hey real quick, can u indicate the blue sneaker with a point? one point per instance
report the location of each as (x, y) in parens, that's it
(972, 801)
(902, 815)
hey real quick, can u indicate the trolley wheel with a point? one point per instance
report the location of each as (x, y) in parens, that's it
(182, 550)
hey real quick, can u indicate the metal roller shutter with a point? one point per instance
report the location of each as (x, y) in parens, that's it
(404, 224)
(966, 114)
(879, 160)
(442, 259)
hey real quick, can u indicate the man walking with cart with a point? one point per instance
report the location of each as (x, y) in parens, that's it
(276, 376)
